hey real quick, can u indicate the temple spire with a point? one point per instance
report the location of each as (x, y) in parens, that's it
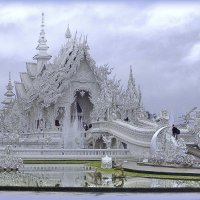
(42, 57)
(9, 77)
(131, 92)
(131, 80)
(68, 33)
(10, 86)
(8, 101)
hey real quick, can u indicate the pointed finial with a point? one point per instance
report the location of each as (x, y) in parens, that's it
(42, 39)
(131, 79)
(42, 46)
(68, 33)
(131, 69)
(131, 72)
(42, 19)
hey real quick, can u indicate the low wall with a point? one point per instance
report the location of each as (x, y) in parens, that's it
(69, 154)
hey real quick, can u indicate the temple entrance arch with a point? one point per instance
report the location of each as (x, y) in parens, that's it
(81, 106)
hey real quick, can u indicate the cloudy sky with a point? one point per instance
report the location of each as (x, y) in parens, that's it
(160, 39)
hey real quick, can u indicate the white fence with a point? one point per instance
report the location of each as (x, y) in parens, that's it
(71, 154)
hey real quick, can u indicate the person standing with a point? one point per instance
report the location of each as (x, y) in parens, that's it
(175, 132)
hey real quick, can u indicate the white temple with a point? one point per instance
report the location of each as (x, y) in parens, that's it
(70, 104)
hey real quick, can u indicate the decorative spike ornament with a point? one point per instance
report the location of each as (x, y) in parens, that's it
(42, 46)
(9, 94)
(68, 33)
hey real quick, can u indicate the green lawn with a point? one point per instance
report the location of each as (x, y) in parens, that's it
(97, 165)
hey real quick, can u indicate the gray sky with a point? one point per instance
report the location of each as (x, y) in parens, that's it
(160, 39)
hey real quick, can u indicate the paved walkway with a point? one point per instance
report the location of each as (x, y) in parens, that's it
(134, 166)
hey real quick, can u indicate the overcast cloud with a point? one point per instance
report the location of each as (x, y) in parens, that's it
(161, 40)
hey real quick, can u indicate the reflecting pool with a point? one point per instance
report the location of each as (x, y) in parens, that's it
(80, 175)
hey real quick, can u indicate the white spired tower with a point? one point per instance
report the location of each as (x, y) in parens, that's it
(9, 95)
(42, 57)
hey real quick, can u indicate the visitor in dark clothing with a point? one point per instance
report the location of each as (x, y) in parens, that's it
(175, 132)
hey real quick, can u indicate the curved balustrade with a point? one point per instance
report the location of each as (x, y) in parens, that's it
(189, 138)
(149, 123)
(134, 126)
(124, 131)
(133, 134)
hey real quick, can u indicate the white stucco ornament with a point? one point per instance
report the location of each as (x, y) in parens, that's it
(106, 162)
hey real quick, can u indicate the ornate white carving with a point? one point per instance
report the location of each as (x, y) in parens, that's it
(106, 162)
(8, 161)
(167, 151)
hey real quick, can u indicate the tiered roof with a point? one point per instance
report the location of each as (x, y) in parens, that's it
(46, 81)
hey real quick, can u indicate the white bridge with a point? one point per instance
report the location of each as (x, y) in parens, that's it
(137, 137)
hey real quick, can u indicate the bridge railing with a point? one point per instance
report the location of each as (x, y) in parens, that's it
(124, 131)
(137, 134)
(188, 138)
(69, 152)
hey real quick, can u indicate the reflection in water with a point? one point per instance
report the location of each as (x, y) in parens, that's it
(76, 175)
(166, 183)
(8, 161)
(98, 179)
(16, 178)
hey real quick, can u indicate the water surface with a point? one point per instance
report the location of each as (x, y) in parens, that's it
(97, 196)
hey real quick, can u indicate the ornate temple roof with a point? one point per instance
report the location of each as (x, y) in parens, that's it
(26, 80)
(45, 82)
(31, 69)
(20, 90)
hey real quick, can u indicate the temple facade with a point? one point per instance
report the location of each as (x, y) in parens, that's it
(71, 103)
(72, 84)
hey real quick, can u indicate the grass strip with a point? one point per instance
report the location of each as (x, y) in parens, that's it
(97, 165)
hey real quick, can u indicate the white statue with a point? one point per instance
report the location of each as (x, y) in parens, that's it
(106, 162)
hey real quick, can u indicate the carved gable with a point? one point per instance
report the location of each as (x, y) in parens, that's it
(84, 73)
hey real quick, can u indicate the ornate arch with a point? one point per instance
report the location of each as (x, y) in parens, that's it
(85, 89)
